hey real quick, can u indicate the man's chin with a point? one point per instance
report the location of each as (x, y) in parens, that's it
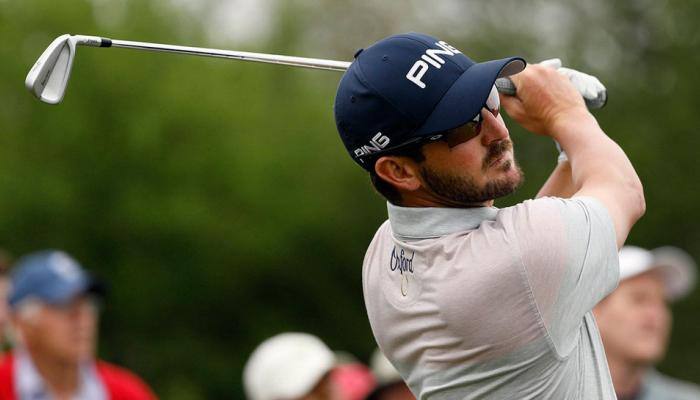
(649, 353)
(496, 181)
(507, 179)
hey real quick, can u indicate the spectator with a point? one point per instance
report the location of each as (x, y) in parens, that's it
(4, 286)
(53, 309)
(291, 366)
(635, 322)
(390, 386)
(353, 379)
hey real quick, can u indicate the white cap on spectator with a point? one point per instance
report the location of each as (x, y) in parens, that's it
(286, 366)
(677, 267)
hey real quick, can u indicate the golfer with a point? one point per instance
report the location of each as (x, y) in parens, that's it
(465, 299)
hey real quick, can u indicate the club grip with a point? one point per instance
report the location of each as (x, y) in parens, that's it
(506, 86)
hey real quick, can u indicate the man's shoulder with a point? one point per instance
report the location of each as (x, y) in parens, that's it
(5, 357)
(122, 383)
(6, 363)
(7, 390)
(576, 210)
(663, 387)
(384, 230)
(381, 236)
(549, 202)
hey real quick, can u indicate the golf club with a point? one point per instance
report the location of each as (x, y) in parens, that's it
(49, 76)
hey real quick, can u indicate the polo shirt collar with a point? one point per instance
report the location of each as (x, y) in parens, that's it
(30, 384)
(432, 222)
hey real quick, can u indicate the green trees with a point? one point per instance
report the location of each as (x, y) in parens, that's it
(216, 198)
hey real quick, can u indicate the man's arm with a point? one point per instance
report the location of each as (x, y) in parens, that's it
(548, 104)
(559, 183)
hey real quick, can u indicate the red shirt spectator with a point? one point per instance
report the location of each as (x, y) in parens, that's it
(119, 383)
(53, 310)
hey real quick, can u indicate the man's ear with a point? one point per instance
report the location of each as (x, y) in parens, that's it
(401, 172)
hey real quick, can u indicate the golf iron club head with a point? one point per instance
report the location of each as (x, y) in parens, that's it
(49, 76)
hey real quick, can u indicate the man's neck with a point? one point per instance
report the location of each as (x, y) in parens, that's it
(62, 379)
(425, 199)
(626, 376)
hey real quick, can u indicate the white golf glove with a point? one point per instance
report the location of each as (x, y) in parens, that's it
(588, 85)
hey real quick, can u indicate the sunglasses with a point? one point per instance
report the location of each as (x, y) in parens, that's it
(471, 129)
(454, 136)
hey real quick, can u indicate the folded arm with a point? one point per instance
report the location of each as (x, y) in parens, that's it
(549, 105)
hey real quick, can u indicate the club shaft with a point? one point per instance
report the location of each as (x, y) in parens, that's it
(504, 85)
(52, 92)
(313, 63)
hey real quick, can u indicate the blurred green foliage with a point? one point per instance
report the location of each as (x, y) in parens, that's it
(218, 201)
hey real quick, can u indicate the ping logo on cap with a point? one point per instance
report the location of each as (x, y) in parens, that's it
(432, 57)
(378, 142)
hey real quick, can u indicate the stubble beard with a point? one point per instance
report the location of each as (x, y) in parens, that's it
(461, 189)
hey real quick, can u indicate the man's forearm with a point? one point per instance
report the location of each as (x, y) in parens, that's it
(593, 155)
(601, 169)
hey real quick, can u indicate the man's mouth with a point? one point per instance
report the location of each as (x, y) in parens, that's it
(497, 153)
(497, 160)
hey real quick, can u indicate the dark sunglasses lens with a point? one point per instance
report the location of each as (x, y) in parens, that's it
(462, 134)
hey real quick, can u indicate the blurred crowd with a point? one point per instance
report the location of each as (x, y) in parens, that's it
(49, 319)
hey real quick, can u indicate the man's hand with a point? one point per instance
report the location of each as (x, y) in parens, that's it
(544, 98)
(547, 103)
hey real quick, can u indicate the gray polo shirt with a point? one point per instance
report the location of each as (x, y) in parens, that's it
(661, 387)
(494, 303)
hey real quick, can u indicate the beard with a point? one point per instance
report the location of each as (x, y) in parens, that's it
(460, 189)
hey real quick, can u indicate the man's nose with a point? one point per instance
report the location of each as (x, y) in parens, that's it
(492, 128)
(658, 311)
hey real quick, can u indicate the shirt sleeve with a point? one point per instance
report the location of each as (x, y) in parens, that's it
(569, 254)
(122, 384)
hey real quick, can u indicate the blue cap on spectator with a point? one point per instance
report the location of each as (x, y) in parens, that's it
(407, 88)
(50, 276)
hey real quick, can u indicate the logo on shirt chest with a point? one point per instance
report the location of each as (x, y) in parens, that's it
(401, 262)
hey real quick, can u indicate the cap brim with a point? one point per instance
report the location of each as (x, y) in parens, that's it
(464, 100)
(303, 379)
(679, 271)
(67, 293)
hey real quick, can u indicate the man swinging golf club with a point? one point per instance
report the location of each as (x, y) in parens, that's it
(467, 300)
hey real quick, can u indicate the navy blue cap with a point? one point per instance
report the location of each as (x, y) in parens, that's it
(51, 276)
(409, 87)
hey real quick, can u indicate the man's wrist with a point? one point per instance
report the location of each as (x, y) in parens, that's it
(571, 122)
